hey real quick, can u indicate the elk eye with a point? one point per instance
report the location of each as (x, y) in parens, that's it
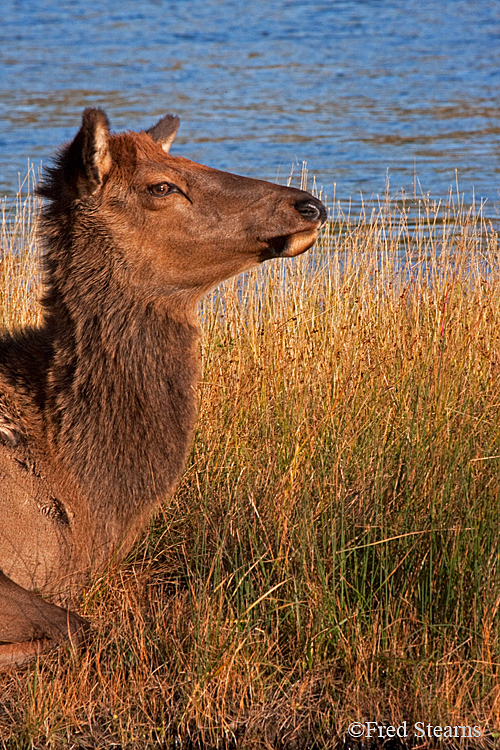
(162, 189)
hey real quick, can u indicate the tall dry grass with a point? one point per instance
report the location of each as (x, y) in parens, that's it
(332, 552)
(19, 261)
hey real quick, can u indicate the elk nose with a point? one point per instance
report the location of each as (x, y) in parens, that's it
(311, 209)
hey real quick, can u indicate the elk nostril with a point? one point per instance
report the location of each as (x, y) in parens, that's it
(311, 209)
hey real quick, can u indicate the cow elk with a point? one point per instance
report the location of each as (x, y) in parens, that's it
(98, 402)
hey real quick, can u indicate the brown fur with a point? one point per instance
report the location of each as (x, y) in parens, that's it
(98, 404)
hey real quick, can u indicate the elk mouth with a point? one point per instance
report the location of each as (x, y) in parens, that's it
(290, 245)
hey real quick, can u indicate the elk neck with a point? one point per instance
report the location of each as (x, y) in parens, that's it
(121, 387)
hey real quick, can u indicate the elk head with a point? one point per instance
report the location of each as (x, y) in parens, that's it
(178, 226)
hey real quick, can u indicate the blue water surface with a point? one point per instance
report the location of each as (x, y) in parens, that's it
(360, 90)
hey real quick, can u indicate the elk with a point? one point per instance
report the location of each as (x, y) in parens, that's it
(98, 402)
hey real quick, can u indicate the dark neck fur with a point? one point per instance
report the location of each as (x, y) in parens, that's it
(121, 388)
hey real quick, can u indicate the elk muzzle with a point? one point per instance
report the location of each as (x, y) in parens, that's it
(313, 211)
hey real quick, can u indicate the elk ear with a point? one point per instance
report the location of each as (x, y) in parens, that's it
(95, 147)
(165, 131)
(89, 154)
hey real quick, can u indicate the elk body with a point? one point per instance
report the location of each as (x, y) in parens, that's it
(98, 403)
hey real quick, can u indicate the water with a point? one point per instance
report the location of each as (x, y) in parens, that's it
(361, 89)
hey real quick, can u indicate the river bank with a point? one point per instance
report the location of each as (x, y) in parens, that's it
(332, 553)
